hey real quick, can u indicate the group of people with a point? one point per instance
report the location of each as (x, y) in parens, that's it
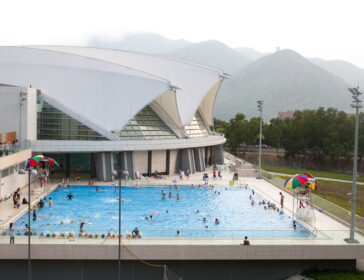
(178, 197)
(7, 147)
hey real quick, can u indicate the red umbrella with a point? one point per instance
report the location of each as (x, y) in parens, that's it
(32, 162)
(52, 162)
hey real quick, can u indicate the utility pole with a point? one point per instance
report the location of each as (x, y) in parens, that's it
(355, 104)
(260, 108)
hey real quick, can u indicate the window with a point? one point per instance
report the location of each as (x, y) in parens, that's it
(146, 125)
(55, 125)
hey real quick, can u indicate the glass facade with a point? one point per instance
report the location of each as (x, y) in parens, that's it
(52, 124)
(146, 125)
(197, 127)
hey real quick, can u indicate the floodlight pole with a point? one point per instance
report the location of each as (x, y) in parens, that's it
(22, 171)
(22, 98)
(260, 108)
(125, 174)
(119, 252)
(356, 104)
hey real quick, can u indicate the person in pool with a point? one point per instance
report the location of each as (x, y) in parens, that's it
(204, 220)
(70, 196)
(135, 232)
(178, 197)
(34, 215)
(170, 195)
(178, 233)
(151, 218)
(294, 225)
(164, 196)
(81, 227)
(50, 201)
(217, 222)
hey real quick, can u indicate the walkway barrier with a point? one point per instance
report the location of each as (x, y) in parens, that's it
(103, 236)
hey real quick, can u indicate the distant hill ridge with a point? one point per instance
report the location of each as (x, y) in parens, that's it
(285, 80)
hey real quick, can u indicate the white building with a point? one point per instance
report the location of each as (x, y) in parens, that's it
(104, 109)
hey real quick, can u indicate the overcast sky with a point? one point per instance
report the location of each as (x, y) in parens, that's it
(315, 28)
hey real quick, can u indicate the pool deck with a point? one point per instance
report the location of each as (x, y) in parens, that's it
(330, 245)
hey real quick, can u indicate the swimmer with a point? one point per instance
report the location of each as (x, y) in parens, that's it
(103, 189)
(170, 195)
(250, 197)
(217, 222)
(253, 192)
(97, 188)
(163, 192)
(50, 202)
(178, 233)
(151, 218)
(198, 211)
(253, 203)
(115, 189)
(164, 196)
(146, 217)
(34, 215)
(206, 227)
(70, 196)
(294, 225)
(81, 227)
(204, 220)
(166, 211)
(178, 197)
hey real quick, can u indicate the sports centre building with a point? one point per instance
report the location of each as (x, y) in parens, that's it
(104, 110)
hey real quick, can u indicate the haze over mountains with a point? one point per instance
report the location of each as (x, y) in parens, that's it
(285, 80)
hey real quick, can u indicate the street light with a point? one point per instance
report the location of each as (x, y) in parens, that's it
(356, 103)
(260, 108)
(30, 172)
(22, 98)
(125, 174)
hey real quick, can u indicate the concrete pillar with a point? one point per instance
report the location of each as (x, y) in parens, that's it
(199, 160)
(68, 165)
(168, 161)
(217, 154)
(104, 166)
(149, 163)
(188, 160)
(93, 166)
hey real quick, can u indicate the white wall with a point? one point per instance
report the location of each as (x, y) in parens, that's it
(10, 112)
(141, 161)
(11, 182)
(159, 161)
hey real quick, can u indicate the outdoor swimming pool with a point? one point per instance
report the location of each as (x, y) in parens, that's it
(99, 211)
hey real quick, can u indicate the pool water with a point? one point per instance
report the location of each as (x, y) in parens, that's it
(99, 210)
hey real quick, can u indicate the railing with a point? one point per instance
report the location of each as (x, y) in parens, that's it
(189, 236)
(8, 149)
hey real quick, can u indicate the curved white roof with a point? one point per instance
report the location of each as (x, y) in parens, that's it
(115, 85)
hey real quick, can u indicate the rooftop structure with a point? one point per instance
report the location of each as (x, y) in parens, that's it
(119, 109)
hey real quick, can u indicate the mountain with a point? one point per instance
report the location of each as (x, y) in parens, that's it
(250, 53)
(212, 53)
(285, 81)
(350, 73)
(140, 42)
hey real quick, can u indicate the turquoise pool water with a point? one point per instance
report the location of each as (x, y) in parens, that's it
(99, 211)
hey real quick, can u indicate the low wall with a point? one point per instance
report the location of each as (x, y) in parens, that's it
(186, 270)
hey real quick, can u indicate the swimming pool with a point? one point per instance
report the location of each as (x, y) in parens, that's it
(99, 211)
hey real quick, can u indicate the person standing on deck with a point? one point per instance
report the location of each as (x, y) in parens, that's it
(282, 200)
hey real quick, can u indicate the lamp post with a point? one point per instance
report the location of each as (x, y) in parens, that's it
(121, 173)
(260, 108)
(30, 172)
(356, 103)
(22, 98)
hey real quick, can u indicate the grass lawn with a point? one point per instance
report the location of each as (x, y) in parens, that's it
(324, 174)
(335, 275)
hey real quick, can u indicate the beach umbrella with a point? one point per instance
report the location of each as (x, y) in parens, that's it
(296, 181)
(38, 158)
(308, 174)
(32, 162)
(52, 162)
